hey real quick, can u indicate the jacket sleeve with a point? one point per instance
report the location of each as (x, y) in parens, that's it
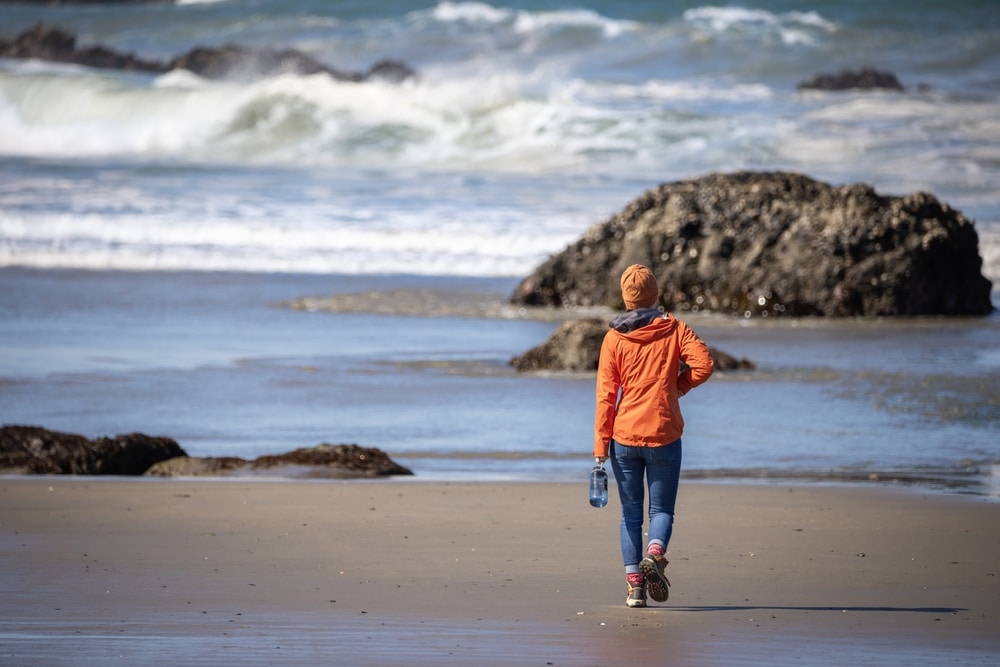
(608, 381)
(695, 354)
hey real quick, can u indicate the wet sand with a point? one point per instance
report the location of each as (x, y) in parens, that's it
(421, 573)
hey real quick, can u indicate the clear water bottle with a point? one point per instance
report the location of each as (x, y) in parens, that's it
(598, 487)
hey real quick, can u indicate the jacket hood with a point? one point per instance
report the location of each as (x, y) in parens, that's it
(633, 321)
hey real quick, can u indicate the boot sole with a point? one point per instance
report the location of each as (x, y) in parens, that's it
(657, 585)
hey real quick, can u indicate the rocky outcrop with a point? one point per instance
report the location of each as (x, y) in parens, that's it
(775, 244)
(576, 347)
(325, 460)
(863, 79)
(35, 450)
(86, 2)
(197, 466)
(231, 62)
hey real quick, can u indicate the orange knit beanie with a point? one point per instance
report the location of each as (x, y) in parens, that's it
(639, 288)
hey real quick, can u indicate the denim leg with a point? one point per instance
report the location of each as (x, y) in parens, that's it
(629, 467)
(663, 473)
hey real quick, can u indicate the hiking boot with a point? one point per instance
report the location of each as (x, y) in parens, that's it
(636, 595)
(656, 582)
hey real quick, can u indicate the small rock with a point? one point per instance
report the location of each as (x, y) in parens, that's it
(576, 347)
(863, 79)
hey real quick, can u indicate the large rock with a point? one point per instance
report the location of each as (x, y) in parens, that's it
(576, 347)
(42, 42)
(773, 244)
(35, 450)
(325, 460)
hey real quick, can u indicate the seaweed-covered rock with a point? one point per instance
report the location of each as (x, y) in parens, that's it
(773, 244)
(325, 460)
(362, 461)
(574, 346)
(35, 450)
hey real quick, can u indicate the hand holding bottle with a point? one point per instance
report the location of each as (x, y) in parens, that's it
(598, 485)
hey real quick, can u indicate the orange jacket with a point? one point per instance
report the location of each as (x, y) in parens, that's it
(643, 364)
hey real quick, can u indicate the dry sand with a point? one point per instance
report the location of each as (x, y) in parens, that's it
(420, 573)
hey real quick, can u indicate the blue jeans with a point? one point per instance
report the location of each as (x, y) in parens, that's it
(635, 468)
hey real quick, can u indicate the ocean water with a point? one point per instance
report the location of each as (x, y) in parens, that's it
(154, 228)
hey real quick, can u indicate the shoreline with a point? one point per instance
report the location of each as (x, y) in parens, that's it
(976, 482)
(413, 572)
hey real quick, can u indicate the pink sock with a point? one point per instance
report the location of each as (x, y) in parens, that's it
(636, 578)
(655, 549)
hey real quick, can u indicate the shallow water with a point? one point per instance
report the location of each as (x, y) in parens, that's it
(154, 230)
(221, 363)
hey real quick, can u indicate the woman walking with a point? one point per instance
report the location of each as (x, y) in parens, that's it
(638, 423)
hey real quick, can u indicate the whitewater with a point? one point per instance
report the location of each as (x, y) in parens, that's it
(526, 124)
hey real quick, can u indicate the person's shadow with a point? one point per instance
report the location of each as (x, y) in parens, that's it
(912, 610)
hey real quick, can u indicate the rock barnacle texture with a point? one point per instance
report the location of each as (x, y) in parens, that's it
(775, 244)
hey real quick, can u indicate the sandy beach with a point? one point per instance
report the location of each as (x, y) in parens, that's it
(265, 262)
(419, 573)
